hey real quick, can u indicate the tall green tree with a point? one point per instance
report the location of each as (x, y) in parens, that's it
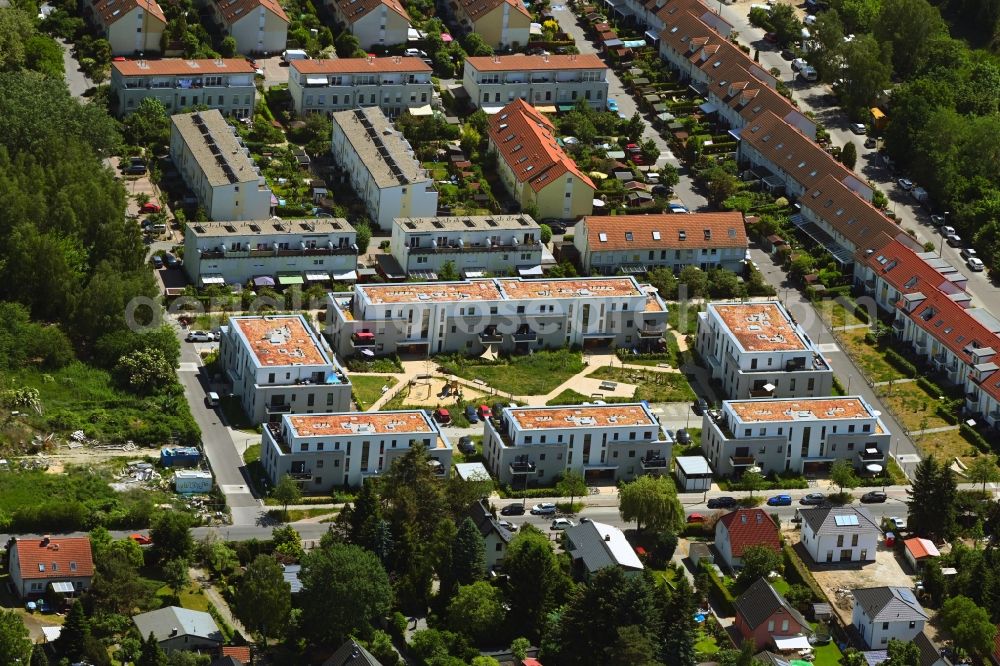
(286, 492)
(148, 124)
(264, 598)
(679, 634)
(651, 501)
(983, 469)
(365, 516)
(151, 654)
(932, 500)
(171, 534)
(344, 591)
(476, 611)
(902, 653)
(969, 625)
(849, 155)
(866, 73)
(758, 562)
(15, 643)
(842, 475)
(535, 582)
(573, 485)
(72, 641)
(468, 554)
(908, 26)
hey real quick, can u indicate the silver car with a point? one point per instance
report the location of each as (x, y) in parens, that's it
(543, 509)
(975, 264)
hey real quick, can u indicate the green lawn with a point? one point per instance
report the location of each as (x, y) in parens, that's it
(682, 317)
(366, 389)
(706, 644)
(534, 374)
(189, 598)
(459, 457)
(650, 385)
(837, 315)
(913, 405)
(870, 359)
(827, 655)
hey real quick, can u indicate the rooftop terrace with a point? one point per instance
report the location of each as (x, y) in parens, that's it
(793, 409)
(760, 327)
(582, 416)
(280, 341)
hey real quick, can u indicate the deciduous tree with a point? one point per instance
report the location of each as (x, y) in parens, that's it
(758, 562)
(476, 611)
(573, 485)
(286, 492)
(651, 501)
(171, 534)
(15, 643)
(535, 582)
(968, 624)
(264, 598)
(983, 469)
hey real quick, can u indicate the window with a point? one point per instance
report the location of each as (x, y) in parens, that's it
(319, 463)
(770, 626)
(913, 624)
(840, 540)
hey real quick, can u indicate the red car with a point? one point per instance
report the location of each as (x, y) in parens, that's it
(141, 539)
(150, 207)
(696, 518)
(484, 412)
(120, 59)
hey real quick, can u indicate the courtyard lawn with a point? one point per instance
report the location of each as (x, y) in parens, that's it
(826, 655)
(946, 446)
(912, 405)
(870, 360)
(571, 397)
(838, 316)
(706, 644)
(366, 389)
(651, 385)
(534, 374)
(189, 598)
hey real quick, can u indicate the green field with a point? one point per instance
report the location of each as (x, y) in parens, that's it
(366, 389)
(535, 374)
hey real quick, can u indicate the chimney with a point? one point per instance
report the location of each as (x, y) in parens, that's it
(45, 540)
(174, 631)
(607, 537)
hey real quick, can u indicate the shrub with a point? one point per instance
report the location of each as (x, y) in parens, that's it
(721, 596)
(797, 572)
(975, 438)
(929, 386)
(896, 360)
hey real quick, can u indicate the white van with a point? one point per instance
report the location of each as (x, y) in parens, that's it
(212, 399)
(294, 54)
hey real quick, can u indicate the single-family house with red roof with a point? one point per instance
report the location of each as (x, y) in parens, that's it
(64, 563)
(766, 618)
(740, 529)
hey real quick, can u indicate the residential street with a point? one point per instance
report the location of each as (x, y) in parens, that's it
(75, 79)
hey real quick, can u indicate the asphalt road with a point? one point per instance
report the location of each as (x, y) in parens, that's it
(75, 79)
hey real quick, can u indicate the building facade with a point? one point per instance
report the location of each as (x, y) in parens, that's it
(226, 85)
(536, 445)
(315, 250)
(503, 24)
(132, 27)
(763, 615)
(839, 534)
(37, 564)
(394, 84)
(505, 314)
(476, 245)
(325, 451)
(217, 167)
(379, 164)
(534, 169)
(796, 435)
(640, 243)
(882, 614)
(542, 81)
(278, 366)
(260, 27)
(738, 530)
(756, 350)
(373, 22)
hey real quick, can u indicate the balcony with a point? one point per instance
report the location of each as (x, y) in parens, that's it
(653, 463)
(301, 476)
(453, 248)
(920, 347)
(652, 331)
(274, 408)
(272, 252)
(870, 455)
(795, 365)
(994, 415)
(939, 360)
(522, 467)
(524, 335)
(363, 339)
(742, 461)
(898, 325)
(762, 393)
(491, 336)
(870, 286)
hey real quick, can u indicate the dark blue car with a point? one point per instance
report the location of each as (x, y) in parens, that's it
(780, 500)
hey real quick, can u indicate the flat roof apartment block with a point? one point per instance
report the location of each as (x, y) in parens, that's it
(542, 81)
(756, 350)
(394, 84)
(324, 451)
(225, 84)
(380, 165)
(505, 314)
(795, 435)
(293, 251)
(525, 446)
(217, 167)
(494, 244)
(278, 366)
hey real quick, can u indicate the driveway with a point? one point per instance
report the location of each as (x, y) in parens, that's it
(76, 81)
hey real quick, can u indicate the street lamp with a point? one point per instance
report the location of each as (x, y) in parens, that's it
(941, 242)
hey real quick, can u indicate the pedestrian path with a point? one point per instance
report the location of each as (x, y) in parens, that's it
(931, 431)
(901, 380)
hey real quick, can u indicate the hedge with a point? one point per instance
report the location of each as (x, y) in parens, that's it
(900, 363)
(974, 438)
(722, 597)
(838, 388)
(861, 314)
(948, 416)
(797, 572)
(932, 389)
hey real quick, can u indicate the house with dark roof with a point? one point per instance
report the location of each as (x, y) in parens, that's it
(884, 613)
(373, 22)
(497, 538)
(930, 655)
(639, 243)
(178, 628)
(839, 534)
(738, 530)
(352, 654)
(63, 563)
(764, 616)
(594, 546)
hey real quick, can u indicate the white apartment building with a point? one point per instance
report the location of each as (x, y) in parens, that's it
(130, 26)
(639, 243)
(324, 451)
(223, 84)
(536, 445)
(379, 164)
(258, 26)
(505, 314)
(277, 366)
(755, 350)
(373, 22)
(288, 251)
(543, 81)
(217, 167)
(796, 435)
(494, 244)
(394, 84)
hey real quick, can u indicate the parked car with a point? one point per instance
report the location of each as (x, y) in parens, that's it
(141, 539)
(874, 497)
(954, 240)
(696, 518)
(212, 400)
(722, 503)
(415, 53)
(699, 406)
(780, 500)
(975, 264)
(612, 105)
(905, 183)
(798, 64)
(507, 525)
(466, 445)
(484, 412)
(859, 128)
(896, 523)
(937, 220)
(871, 142)
(678, 208)
(683, 436)
(968, 253)
(562, 523)
(171, 260)
(946, 230)
(134, 170)
(442, 415)
(516, 509)
(198, 336)
(150, 207)
(813, 498)
(543, 509)
(157, 261)
(470, 413)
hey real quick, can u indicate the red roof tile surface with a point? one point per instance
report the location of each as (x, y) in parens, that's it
(234, 10)
(353, 10)
(54, 557)
(476, 9)
(240, 653)
(668, 231)
(750, 527)
(111, 11)
(526, 141)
